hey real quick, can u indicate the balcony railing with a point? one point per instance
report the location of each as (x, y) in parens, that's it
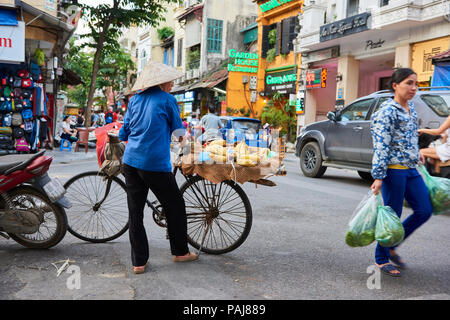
(193, 65)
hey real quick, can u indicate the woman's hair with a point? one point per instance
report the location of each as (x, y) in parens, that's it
(399, 75)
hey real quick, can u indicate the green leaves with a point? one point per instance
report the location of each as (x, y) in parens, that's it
(165, 33)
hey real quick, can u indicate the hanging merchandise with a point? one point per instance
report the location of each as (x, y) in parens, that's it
(18, 108)
(40, 56)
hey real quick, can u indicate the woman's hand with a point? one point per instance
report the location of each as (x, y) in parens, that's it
(376, 186)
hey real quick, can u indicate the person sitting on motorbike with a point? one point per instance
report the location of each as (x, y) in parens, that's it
(441, 152)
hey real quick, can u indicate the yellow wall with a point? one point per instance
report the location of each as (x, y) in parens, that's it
(269, 17)
(421, 54)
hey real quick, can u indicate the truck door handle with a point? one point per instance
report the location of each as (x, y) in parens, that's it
(357, 128)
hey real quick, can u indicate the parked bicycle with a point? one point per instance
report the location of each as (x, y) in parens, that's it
(219, 216)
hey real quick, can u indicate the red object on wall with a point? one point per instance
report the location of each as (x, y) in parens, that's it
(50, 111)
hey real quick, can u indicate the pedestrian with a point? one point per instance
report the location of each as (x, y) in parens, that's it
(94, 118)
(80, 119)
(120, 116)
(185, 123)
(441, 152)
(152, 117)
(66, 131)
(211, 123)
(110, 116)
(396, 155)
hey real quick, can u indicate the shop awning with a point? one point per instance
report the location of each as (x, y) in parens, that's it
(8, 17)
(180, 88)
(443, 56)
(70, 78)
(212, 81)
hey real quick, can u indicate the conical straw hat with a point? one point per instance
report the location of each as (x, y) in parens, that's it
(155, 73)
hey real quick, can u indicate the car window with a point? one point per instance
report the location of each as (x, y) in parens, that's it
(356, 111)
(224, 122)
(379, 103)
(438, 103)
(252, 126)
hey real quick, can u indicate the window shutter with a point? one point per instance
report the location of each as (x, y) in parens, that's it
(285, 35)
(180, 52)
(265, 41)
(292, 33)
(278, 41)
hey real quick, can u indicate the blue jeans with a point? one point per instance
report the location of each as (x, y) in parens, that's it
(406, 184)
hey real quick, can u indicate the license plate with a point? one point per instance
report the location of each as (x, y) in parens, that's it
(54, 189)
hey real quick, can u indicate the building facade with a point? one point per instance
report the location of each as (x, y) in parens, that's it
(205, 32)
(350, 48)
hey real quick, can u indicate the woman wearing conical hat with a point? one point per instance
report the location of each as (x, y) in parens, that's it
(152, 117)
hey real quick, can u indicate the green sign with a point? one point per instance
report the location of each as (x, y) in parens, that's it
(284, 82)
(272, 4)
(243, 61)
(281, 79)
(300, 106)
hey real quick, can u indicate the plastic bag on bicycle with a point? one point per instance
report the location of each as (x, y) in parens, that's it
(102, 139)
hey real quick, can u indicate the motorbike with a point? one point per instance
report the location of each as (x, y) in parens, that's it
(424, 142)
(31, 203)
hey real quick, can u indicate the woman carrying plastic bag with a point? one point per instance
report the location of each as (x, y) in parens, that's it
(439, 191)
(395, 137)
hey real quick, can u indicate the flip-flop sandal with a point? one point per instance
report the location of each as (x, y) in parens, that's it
(388, 268)
(396, 259)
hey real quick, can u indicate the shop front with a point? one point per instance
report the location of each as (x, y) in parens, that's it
(29, 70)
(277, 74)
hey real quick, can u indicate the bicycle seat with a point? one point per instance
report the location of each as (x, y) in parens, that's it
(14, 162)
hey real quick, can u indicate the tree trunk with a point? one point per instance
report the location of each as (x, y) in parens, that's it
(95, 69)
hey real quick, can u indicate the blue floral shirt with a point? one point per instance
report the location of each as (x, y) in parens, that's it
(395, 137)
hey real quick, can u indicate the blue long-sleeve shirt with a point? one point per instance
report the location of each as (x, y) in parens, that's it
(151, 118)
(395, 137)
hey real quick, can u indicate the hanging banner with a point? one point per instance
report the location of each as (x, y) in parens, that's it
(12, 43)
(316, 78)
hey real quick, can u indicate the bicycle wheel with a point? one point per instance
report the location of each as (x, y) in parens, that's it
(90, 219)
(223, 210)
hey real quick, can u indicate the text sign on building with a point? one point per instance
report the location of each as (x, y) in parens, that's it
(243, 61)
(344, 27)
(272, 4)
(316, 78)
(12, 43)
(284, 82)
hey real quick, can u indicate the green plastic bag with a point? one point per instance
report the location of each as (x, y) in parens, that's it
(438, 189)
(389, 230)
(361, 228)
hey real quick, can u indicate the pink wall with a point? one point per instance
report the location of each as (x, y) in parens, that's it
(369, 81)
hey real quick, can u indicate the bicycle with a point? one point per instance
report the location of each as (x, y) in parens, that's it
(219, 216)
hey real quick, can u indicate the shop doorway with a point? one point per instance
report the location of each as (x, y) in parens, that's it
(374, 73)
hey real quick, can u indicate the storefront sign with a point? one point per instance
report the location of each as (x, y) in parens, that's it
(316, 78)
(189, 96)
(282, 82)
(187, 108)
(223, 108)
(320, 55)
(421, 57)
(243, 61)
(344, 27)
(372, 45)
(272, 4)
(12, 43)
(300, 106)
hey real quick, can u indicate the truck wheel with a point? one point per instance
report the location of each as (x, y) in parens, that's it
(366, 176)
(311, 161)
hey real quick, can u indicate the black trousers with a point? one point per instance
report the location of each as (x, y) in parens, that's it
(165, 188)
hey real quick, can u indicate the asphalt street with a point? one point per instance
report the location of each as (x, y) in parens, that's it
(295, 250)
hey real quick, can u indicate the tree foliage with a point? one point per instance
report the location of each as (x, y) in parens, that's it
(107, 21)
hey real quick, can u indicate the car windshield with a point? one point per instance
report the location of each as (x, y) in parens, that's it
(224, 122)
(252, 126)
(439, 103)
